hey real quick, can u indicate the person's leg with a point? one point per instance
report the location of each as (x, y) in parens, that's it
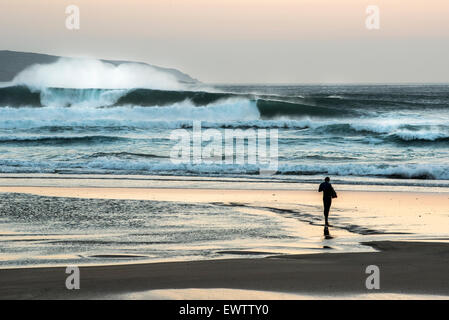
(327, 205)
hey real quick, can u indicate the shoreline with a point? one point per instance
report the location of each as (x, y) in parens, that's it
(302, 183)
(409, 268)
(137, 193)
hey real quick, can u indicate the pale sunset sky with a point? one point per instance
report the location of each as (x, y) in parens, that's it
(245, 41)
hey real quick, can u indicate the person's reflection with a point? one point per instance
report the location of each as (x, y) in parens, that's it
(327, 235)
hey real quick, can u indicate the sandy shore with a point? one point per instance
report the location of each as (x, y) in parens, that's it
(423, 213)
(376, 202)
(405, 268)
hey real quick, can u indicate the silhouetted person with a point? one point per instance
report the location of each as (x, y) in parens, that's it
(328, 194)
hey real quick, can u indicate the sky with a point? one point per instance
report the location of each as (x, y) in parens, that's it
(245, 41)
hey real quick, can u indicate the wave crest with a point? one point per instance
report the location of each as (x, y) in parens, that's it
(91, 73)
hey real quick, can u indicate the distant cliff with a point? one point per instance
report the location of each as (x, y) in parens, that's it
(12, 62)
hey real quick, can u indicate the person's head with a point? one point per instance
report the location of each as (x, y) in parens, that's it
(327, 179)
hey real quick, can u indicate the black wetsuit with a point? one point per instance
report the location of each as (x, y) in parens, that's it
(328, 194)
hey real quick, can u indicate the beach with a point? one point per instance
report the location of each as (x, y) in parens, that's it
(403, 233)
(409, 269)
(184, 150)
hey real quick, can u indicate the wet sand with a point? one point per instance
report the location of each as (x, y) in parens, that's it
(376, 202)
(405, 268)
(421, 213)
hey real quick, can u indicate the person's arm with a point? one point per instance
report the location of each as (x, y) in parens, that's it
(334, 194)
(320, 188)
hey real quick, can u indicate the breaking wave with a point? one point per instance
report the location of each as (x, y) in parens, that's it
(123, 127)
(129, 163)
(22, 96)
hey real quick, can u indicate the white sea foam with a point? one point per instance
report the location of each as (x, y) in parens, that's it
(407, 170)
(425, 135)
(232, 113)
(172, 116)
(80, 98)
(90, 73)
(151, 166)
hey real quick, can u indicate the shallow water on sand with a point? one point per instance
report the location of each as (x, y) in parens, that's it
(108, 226)
(37, 230)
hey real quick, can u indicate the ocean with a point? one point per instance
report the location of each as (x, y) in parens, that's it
(362, 134)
